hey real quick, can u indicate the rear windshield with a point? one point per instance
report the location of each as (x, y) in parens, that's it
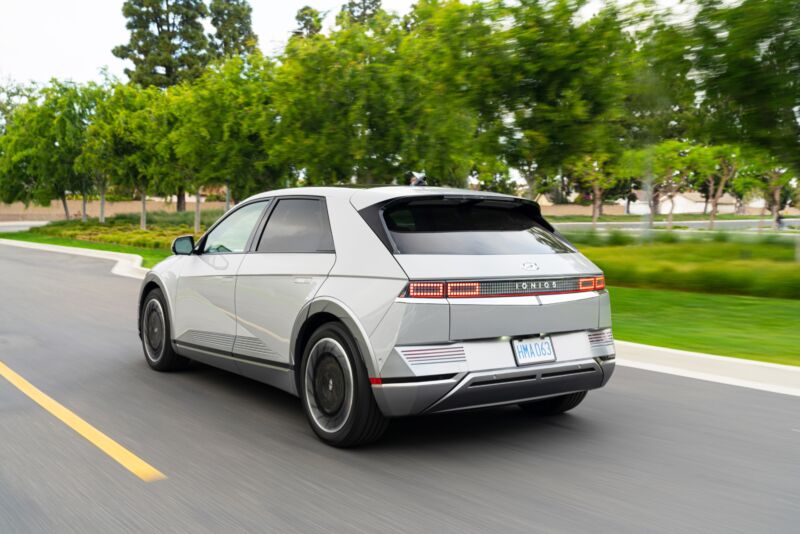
(469, 226)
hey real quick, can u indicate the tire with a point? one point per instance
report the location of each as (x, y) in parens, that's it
(554, 405)
(336, 391)
(157, 335)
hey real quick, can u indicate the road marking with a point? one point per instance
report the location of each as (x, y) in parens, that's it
(117, 452)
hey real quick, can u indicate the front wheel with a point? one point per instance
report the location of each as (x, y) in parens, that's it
(156, 340)
(336, 392)
(553, 405)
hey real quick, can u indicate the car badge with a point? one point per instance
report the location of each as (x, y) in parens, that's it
(530, 266)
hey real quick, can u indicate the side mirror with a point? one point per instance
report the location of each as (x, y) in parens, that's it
(183, 245)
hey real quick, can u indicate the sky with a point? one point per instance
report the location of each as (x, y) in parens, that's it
(72, 39)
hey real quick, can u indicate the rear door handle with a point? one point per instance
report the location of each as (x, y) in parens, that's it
(301, 280)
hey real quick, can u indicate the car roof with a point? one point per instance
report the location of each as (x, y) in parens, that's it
(361, 198)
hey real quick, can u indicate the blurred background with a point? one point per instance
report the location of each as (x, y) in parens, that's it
(662, 138)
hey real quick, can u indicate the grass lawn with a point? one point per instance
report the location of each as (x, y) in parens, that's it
(150, 256)
(746, 327)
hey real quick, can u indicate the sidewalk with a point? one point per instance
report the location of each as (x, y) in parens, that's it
(19, 226)
(774, 378)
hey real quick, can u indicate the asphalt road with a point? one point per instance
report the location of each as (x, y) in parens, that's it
(651, 452)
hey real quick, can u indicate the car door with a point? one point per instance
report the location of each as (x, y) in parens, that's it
(205, 312)
(292, 258)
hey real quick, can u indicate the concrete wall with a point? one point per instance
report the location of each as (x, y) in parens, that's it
(55, 212)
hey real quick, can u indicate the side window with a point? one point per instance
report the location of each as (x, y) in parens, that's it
(297, 225)
(231, 234)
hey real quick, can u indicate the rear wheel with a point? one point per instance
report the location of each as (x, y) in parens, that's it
(336, 392)
(156, 335)
(553, 405)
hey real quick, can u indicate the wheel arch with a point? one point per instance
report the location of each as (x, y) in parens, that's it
(151, 282)
(321, 311)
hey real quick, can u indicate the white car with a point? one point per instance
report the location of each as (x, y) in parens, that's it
(377, 303)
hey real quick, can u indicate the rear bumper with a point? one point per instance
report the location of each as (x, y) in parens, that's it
(496, 387)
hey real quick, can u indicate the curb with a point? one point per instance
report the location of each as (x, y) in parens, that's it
(128, 265)
(771, 377)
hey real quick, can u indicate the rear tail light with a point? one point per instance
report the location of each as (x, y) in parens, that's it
(502, 288)
(600, 283)
(426, 290)
(586, 284)
(463, 289)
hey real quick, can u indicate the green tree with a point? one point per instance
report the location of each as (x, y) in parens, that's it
(12, 95)
(309, 22)
(167, 43)
(567, 78)
(360, 11)
(715, 168)
(232, 21)
(123, 141)
(747, 62)
(43, 138)
(97, 151)
(663, 169)
(445, 93)
(334, 101)
(221, 126)
(593, 171)
(773, 177)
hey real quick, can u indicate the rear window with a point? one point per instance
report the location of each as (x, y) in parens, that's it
(469, 226)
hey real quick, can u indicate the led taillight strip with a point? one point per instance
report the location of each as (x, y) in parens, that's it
(437, 290)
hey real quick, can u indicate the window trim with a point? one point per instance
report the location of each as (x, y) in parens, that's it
(262, 225)
(201, 243)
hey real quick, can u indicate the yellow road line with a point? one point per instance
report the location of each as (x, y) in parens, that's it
(123, 456)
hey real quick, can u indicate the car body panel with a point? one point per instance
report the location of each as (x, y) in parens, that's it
(204, 307)
(271, 290)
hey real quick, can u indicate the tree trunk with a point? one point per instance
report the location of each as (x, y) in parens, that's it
(227, 196)
(671, 210)
(717, 194)
(776, 206)
(83, 207)
(181, 202)
(597, 200)
(713, 215)
(197, 211)
(103, 202)
(652, 202)
(66, 208)
(708, 194)
(530, 179)
(143, 218)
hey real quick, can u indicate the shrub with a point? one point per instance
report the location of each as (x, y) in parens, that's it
(619, 238)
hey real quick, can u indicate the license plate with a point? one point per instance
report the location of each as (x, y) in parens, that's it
(533, 350)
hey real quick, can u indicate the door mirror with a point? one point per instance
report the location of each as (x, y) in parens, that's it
(183, 245)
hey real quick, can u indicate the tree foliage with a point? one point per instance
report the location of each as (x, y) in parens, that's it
(167, 42)
(233, 28)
